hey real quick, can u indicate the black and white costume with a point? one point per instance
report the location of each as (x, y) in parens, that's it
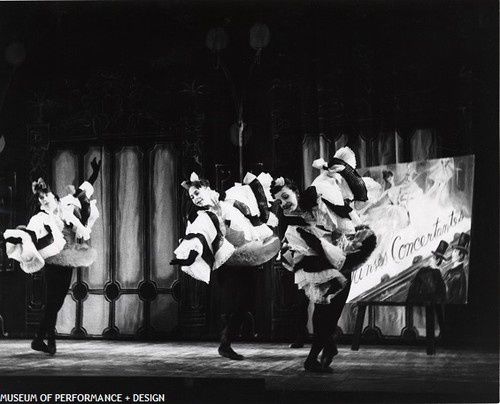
(328, 246)
(225, 242)
(55, 240)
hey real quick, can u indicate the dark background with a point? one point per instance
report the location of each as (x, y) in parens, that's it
(118, 69)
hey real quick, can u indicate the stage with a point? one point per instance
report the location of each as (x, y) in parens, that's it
(271, 372)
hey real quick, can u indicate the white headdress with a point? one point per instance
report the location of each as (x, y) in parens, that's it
(280, 182)
(39, 185)
(192, 178)
(344, 153)
(347, 155)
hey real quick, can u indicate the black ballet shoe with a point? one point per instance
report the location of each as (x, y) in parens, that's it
(227, 352)
(328, 353)
(296, 344)
(38, 345)
(51, 344)
(315, 367)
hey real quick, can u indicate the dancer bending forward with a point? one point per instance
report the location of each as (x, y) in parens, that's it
(54, 240)
(324, 242)
(231, 236)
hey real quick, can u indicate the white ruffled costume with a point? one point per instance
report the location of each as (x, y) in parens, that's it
(336, 233)
(331, 186)
(226, 235)
(54, 237)
(201, 237)
(314, 284)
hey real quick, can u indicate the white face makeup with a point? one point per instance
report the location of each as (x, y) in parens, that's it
(201, 196)
(288, 199)
(47, 201)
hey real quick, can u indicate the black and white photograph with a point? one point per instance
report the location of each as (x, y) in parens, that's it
(249, 201)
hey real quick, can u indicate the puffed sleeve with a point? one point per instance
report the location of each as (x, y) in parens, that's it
(205, 238)
(30, 245)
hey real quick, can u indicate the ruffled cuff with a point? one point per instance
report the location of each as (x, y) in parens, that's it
(223, 253)
(199, 270)
(24, 252)
(94, 214)
(87, 188)
(186, 246)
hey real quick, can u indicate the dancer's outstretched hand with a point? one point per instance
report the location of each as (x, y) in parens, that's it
(96, 167)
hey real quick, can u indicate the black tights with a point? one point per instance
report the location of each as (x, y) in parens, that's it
(325, 319)
(57, 283)
(236, 288)
(301, 316)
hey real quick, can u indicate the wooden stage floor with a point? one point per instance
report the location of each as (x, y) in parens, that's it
(271, 372)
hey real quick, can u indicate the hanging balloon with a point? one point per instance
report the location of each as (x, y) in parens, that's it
(259, 36)
(15, 53)
(216, 41)
(259, 39)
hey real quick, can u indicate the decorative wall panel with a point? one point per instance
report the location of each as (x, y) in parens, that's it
(67, 315)
(95, 314)
(164, 313)
(131, 289)
(164, 208)
(129, 218)
(128, 314)
(64, 172)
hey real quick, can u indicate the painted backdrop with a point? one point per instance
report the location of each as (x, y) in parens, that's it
(424, 206)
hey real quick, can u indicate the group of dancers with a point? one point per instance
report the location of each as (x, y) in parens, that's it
(316, 233)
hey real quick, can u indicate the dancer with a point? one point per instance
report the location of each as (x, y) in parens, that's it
(324, 246)
(232, 237)
(54, 240)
